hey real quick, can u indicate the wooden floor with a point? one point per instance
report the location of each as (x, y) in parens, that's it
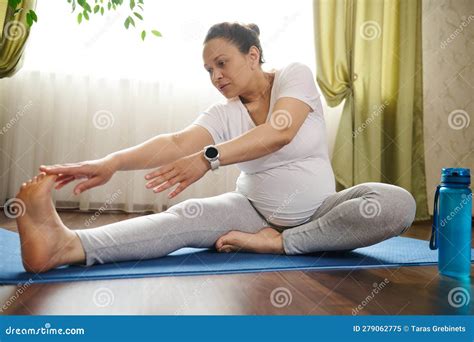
(401, 291)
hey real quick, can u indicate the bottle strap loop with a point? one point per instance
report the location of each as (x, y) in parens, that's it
(435, 225)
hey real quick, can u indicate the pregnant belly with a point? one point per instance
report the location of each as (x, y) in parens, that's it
(289, 194)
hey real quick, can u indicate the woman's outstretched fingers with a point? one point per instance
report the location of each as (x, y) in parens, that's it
(160, 171)
(63, 177)
(183, 185)
(169, 182)
(184, 171)
(164, 177)
(64, 181)
(46, 168)
(83, 186)
(60, 169)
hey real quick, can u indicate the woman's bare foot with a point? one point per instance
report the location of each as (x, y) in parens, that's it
(267, 240)
(45, 241)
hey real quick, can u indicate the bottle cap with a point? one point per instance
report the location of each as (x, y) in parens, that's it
(456, 175)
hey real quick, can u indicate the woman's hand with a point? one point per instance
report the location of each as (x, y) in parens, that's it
(97, 172)
(184, 171)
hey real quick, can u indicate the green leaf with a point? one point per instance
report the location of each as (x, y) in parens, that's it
(143, 35)
(127, 23)
(138, 15)
(132, 21)
(84, 13)
(132, 4)
(96, 8)
(29, 20)
(13, 4)
(79, 18)
(33, 15)
(109, 5)
(156, 33)
(87, 7)
(102, 11)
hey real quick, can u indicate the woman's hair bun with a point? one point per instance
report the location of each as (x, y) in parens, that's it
(254, 28)
(242, 35)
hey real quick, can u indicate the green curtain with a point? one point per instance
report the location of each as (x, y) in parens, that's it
(13, 36)
(368, 53)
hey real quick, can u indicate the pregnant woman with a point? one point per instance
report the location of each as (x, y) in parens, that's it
(271, 126)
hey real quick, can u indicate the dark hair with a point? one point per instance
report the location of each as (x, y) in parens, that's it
(241, 35)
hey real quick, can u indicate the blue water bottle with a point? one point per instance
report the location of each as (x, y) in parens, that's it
(451, 230)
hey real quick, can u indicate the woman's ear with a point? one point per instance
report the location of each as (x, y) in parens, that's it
(254, 54)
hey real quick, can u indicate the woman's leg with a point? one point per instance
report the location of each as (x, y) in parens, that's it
(47, 243)
(191, 223)
(359, 216)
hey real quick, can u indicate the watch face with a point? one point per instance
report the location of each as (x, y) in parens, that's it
(211, 152)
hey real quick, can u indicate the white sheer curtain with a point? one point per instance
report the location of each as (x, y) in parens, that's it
(91, 89)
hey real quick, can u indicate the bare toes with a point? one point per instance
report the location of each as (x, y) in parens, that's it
(221, 241)
(228, 249)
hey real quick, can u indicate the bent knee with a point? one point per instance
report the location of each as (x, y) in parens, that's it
(397, 206)
(404, 208)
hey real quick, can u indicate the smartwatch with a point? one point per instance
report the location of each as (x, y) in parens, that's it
(212, 155)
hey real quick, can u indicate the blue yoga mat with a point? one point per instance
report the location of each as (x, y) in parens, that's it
(395, 252)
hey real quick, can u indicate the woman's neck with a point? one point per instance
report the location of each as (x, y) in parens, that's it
(260, 89)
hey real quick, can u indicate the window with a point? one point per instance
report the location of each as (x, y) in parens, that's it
(103, 47)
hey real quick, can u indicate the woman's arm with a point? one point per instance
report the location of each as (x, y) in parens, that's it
(162, 149)
(287, 118)
(157, 151)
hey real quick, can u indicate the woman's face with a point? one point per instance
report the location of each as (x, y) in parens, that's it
(230, 71)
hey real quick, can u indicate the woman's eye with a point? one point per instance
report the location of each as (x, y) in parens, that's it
(221, 63)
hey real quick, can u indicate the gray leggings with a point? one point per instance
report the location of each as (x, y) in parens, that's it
(362, 215)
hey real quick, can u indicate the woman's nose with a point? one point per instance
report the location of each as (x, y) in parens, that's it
(216, 75)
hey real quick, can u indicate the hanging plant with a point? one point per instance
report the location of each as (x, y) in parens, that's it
(15, 5)
(87, 8)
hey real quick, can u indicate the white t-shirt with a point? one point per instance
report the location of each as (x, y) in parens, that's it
(288, 185)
